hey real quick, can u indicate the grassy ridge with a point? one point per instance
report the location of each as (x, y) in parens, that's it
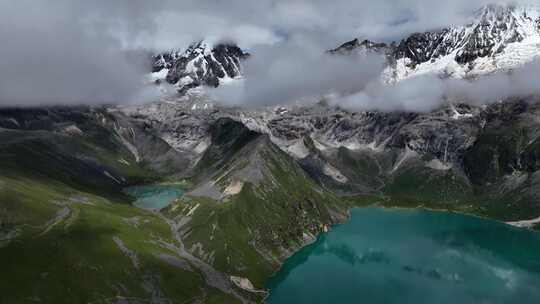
(251, 233)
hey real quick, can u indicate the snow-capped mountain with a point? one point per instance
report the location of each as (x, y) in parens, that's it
(200, 64)
(498, 38)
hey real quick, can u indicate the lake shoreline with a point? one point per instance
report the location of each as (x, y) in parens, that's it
(347, 218)
(432, 212)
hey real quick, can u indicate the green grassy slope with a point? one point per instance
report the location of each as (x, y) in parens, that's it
(65, 250)
(69, 235)
(278, 210)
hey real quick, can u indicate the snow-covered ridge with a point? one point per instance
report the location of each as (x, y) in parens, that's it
(201, 64)
(497, 38)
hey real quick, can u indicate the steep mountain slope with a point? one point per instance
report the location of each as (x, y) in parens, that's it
(504, 159)
(497, 38)
(200, 64)
(73, 146)
(252, 206)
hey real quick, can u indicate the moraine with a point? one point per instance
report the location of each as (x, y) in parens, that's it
(413, 256)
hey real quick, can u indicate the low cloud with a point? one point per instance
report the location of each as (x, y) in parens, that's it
(292, 76)
(74, 51)
(426, 93)
(50, 56)
(297, 72)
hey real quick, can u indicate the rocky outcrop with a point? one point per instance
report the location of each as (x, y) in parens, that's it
(357, 45)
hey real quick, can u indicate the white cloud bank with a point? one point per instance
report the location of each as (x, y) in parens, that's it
(74, 51)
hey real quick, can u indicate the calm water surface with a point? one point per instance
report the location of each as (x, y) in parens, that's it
(413, 256)
(154, 197)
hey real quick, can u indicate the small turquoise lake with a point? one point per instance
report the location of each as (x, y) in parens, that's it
(154, 197)
(413, 256)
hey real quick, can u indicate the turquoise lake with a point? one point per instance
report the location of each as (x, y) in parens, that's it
(413, 256)
(154, 197)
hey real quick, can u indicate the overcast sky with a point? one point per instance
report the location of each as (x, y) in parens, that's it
(73, 51)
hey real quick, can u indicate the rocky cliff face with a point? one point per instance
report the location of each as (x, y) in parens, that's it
(444, 135)
(199, 65)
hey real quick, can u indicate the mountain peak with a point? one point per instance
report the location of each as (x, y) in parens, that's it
(357, 45)
(201, 47)
(499, 37)
(201, 64)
